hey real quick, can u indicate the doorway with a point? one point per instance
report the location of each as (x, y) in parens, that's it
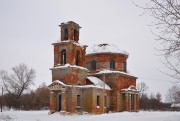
(123, 101)
(132, 102)
(59, 103)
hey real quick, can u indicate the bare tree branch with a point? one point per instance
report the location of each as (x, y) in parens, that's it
(166, 14)
(173, 94)
(142, 87)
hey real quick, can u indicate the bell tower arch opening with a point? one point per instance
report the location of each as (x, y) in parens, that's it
(70, 31)
(77, 58)
(63, 57)
(65, 34)
(75, 35)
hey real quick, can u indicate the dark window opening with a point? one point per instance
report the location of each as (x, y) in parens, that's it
(93, 65)
(78, 100)
(124, 67)
(59, 57)
(112, 64)
(66, 34)
(63, 57)
(77, 58)
(75, 34)
(98, 100)
(105, 101)
(89, 66)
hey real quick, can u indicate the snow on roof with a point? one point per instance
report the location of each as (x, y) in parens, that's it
(60, 82)
(131, 88)
(68, 65)
(70, 22)
(93, 80)
(68, 41)
(105, 48)
(72, 41)
(97, 82)
(175, 105)
(111, 71)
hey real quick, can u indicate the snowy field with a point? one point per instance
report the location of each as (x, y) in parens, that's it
(123, 116)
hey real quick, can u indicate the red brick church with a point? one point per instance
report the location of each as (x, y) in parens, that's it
(94, 82)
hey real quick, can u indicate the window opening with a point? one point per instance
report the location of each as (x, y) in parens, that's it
(105, 101)
(93, 65)
(66, 34)
(112, 64)
(98, 100)
(77, 58)
(75, 34)
(124, 66)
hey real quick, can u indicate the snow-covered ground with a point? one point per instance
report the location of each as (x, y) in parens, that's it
(122, 116)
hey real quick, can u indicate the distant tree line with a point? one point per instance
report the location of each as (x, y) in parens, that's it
(32, 100)
(154, 102)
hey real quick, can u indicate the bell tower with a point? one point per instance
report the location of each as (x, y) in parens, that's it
(69, 56)
(70, 31)
(68, 50)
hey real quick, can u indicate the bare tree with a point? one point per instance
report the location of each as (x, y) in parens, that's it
(18, 81)
(142, 87)
(173, 94)
(166, 23)
(158, 97)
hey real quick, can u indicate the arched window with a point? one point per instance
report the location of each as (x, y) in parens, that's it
(112, 64)
(77, 58)
(75, 35)
(93, 65)
(63, 57)
(65, 34)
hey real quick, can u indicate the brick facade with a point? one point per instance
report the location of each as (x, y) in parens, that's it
(78, 78)
(103, 60)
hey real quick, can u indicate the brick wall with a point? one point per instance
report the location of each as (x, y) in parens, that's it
(103, 60)
(71, 50)
(70, 75)
(72, 29)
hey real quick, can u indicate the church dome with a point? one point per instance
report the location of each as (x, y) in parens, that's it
(105, 48)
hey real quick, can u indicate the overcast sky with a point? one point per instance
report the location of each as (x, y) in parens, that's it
(28, 27)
